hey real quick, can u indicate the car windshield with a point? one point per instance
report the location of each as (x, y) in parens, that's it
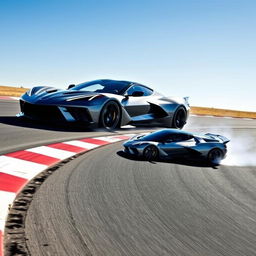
(103, 86)
(157, 136)
(164, 135)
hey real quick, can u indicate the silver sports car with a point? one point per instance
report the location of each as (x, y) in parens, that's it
(106, 103)
(173, 143)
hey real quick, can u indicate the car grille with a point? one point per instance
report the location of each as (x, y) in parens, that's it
(52, 113)
(41, 112)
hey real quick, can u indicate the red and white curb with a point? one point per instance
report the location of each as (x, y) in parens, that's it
(9, 98)
(18, 168)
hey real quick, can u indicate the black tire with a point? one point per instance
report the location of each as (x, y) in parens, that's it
(215, 156)
(179, 118)
(110, 117)
(150, 153)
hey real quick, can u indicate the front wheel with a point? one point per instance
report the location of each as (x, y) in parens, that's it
(110, 115)
(215, 156)
(150, 153)
(179, 118)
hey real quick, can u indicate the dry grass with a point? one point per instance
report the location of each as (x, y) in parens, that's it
(17, 92)
(11, 91)
(222, 112)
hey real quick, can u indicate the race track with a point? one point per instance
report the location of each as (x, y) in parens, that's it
(18, 134)
(103, 203)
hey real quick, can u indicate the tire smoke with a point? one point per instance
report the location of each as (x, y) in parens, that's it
(241, 150)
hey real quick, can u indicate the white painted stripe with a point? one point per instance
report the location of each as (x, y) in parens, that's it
(128, 126)
(109, 139)
(208, 116)
(130, 134)
(227, 117)
(15, 98)
(7, 199)
(81, 144)
(52, 152)
(244, 118)
(2, 224)
(20, 168)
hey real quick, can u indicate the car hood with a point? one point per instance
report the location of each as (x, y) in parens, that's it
(52, 96)
(138, 143)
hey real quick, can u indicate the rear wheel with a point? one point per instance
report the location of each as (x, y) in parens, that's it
(150, 153)
(179, 119)
(110, 115)
(215, 156)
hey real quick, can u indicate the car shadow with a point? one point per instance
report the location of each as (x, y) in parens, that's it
(63, 126)
(27, 123)
(183, 161)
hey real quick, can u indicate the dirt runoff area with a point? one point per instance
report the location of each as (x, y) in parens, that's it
(222, 112)
(12, 91)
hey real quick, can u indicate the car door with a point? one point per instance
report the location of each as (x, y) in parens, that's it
(174, 145)
(136, 100)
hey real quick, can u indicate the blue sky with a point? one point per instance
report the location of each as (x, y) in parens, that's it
(202, 49)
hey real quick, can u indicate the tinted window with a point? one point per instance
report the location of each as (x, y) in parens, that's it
(167, 136)
(181, 137)
(158, 136)
(93, 88)
(138, 88)
(103, 86)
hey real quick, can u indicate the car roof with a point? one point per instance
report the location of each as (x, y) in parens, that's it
(130, 83)
(173, 131)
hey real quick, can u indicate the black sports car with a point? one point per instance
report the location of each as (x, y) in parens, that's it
(106, 103)
(173, 143)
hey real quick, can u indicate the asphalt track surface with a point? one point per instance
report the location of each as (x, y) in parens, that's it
(17, 134)
(104, 203)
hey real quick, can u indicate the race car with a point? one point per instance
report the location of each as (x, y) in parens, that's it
(105, 103)
(173, 143)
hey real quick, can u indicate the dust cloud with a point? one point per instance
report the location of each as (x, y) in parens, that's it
(241, 150)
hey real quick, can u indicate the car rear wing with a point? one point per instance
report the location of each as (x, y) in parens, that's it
(223, 139)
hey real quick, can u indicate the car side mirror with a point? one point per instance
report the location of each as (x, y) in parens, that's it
(71, 86)
(137, 94)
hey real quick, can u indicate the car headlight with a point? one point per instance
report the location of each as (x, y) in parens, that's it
(81, 97)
